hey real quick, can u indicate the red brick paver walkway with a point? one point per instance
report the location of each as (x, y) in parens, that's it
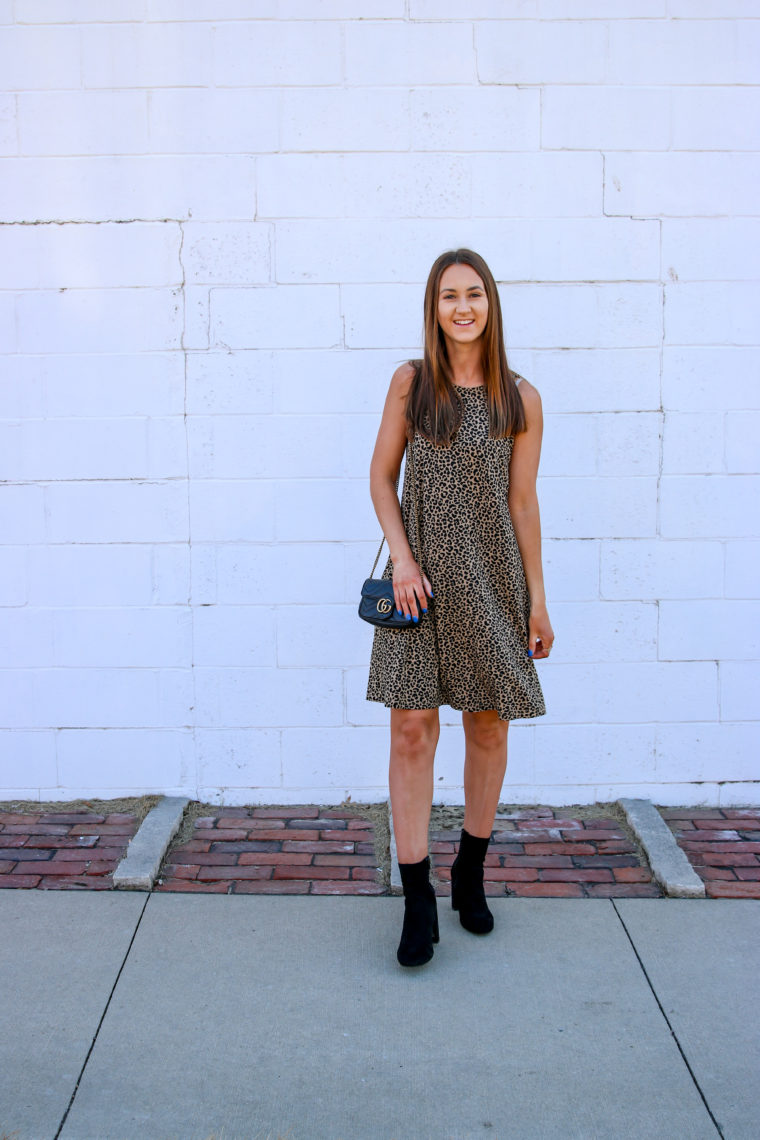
(723, 847)
(540, 852)
(307, 850)
(63, 850)
(276, 851)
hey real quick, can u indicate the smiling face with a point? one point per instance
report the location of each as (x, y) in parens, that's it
(462, 304)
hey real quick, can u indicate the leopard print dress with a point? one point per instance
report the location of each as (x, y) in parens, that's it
(470, 651)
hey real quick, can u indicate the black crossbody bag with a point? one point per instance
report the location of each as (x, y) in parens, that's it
(377, 604)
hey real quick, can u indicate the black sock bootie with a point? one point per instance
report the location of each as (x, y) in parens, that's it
(467, 894)
(420, 928)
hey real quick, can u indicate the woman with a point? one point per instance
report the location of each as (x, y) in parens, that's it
(476, 443)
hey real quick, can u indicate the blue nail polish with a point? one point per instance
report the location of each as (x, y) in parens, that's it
(424, 611)
(408, 617)
(415, 618)
(530, 653)
(398, 613)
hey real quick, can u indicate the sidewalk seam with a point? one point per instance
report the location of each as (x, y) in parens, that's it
(100, 1022)
(673, 1033)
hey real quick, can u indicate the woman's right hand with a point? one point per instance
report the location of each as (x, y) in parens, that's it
(410, 588)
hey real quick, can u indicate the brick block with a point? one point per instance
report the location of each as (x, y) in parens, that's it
(285, 872)
(738, 696)
(541, 51)
(658, 569)
(276, 859)
(261, 697)
(717, 890)
(273, 887)
(236, 872)
(588, 508)
(624, 890)
(230, 253)
(286, 316)
(475, 119)
(710, 629)
(234, 635)
(606, 631)
(113, 698)
(741, 430)
(123, 188)
(160, 636)
(344, 119)
(678, 52)
(261, 53)
(377, 315)
(576, 875)
(705, 377)
(99, 320)
(82, 123)
(319, 848)
(695, 311)
(175, 884)
(212, 121)
(12, 880)
(226, 511)
(625, 118)
(402, 53)
(496, 193)
(680, 184)
(40, 58)
(307, 753)
(235, 382)
(173, 54)
(705, 249)
(154, 759)
(547, 890)
(707, 506)
(116, 512)
(90, 256)
(324, 510)
(333, 887)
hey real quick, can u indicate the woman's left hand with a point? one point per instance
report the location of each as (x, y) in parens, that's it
(540, 634)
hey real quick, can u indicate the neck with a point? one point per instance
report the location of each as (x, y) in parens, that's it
(465, 361)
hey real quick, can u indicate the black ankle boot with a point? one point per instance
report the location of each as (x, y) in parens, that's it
(420, 928)
(467, 894)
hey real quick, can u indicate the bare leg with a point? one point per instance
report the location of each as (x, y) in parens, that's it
(484, 768)
(414, 738)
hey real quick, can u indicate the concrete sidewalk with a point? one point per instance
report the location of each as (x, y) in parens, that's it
(185, 1017)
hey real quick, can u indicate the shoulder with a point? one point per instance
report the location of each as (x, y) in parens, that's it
(531, 402)
(401, 380)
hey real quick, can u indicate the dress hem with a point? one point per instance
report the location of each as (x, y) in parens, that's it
(457, 708)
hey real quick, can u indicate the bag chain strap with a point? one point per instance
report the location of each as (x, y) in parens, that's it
(410, 460)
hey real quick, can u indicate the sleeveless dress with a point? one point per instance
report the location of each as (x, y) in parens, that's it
(470, 651)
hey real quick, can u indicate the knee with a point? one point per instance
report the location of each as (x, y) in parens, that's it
(485, 730)
(415, 733)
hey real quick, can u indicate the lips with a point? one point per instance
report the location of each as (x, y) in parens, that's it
(464, 324)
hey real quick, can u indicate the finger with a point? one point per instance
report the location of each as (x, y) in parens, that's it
(428, 587)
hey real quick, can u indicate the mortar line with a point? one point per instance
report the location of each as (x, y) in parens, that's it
(102, 1018)
(673, 1033)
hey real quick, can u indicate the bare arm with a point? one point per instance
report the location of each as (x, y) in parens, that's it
(409, 584)
(523, 508)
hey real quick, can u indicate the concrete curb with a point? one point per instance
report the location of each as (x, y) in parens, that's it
(669, 864)
(139, 867)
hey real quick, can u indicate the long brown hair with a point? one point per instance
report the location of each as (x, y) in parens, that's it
(434, 407)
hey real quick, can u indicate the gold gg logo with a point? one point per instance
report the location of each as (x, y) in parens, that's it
(383, 606)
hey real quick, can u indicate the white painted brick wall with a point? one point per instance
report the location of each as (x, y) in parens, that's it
(216, 220)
